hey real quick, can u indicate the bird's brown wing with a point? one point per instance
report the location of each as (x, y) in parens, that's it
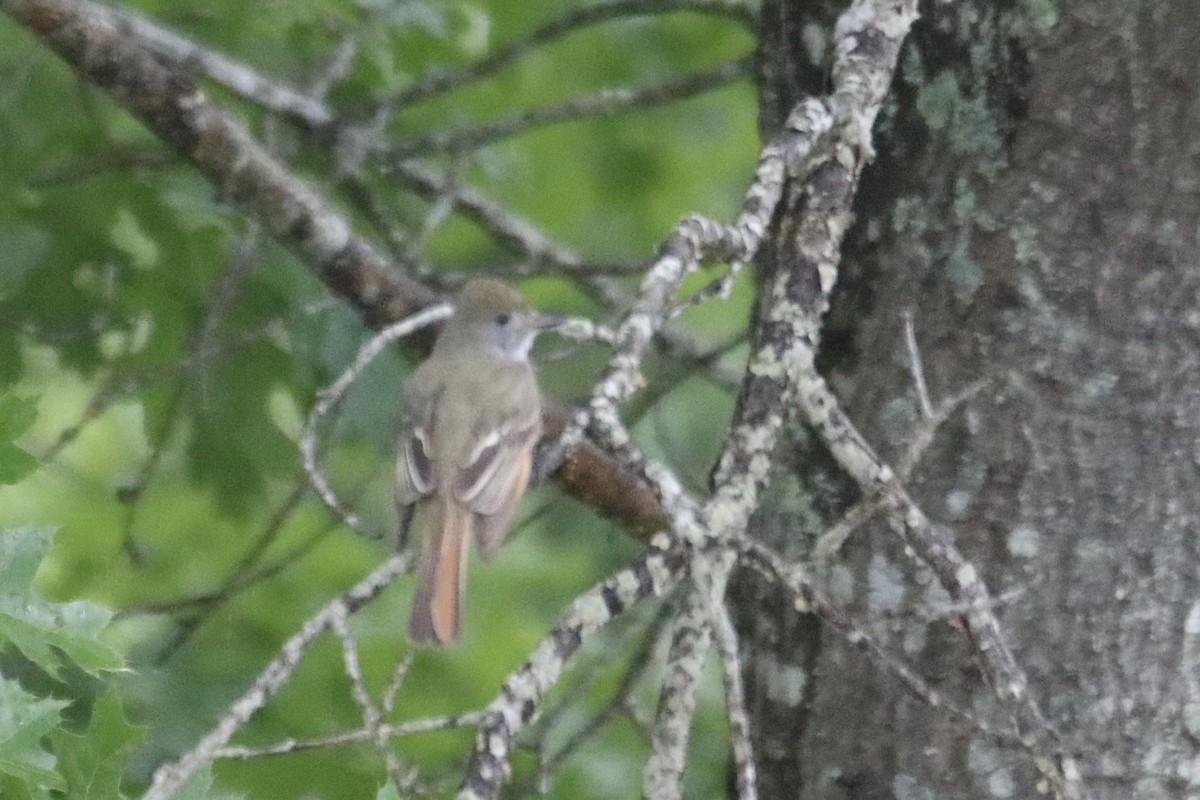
(497, 472)
(414, 468)
(490, 530)
(416, 476)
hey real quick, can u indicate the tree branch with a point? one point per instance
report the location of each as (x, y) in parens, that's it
(597, 104)
(169, 777)
(659, 568)
(570, 20)
(241, 78)
(812, 170)
(211, 140)
(172, 108)
(329, 396)
(783, 367)
(663, 775)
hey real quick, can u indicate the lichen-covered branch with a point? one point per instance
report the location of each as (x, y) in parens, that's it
(690, 639)
(807, 600)
(782, 367)
(693, 239)
(742, 471)
(654, 573)
(725, 635)
(622, 701)
(180, 114)
(798, 208)
(957, 575)
(169, 777)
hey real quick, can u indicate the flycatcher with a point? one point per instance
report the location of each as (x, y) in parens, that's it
(471, 419)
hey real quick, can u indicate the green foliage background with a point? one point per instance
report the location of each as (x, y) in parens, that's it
(111, 251)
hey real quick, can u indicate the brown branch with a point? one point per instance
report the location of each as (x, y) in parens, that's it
(238, 77)
(170, 106)
(593, 477)
(180, 114)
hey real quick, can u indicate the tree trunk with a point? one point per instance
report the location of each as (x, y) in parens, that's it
(1034, 207)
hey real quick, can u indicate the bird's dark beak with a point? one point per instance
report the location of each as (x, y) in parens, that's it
(541, 321)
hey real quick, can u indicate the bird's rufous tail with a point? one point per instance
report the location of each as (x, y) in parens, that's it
(437, 605)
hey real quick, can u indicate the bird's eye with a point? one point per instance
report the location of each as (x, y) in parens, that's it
(502, 319)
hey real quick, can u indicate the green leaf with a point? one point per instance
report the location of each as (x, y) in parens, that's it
(14, 789)
(15, 463)
(16, 415)
(24, 720)
(94, 762)
(41, 630)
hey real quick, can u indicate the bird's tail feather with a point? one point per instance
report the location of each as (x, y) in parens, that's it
(437, 605)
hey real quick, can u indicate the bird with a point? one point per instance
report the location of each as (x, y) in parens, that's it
(472, 416)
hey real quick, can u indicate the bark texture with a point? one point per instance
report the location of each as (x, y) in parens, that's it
(1034, 205)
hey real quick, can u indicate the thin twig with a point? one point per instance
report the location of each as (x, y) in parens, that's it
(832, 540)
(201, 344)
(585, 330)
(371, 715)
(725, 637)
(338, 65)
(169, 777)
(601, 103)
(719, 288)
(121, 384)
(131, 493)
(955, 573)
(339, 627)
(916, 366)
(522, 236)
(570, 20)
(807, 600)
(234, 75)
(138, 160)
(246, 574)
(658, 569)
(395, 682)
(389, 730)
(927, 431)
(329, 396)
(619, 702)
